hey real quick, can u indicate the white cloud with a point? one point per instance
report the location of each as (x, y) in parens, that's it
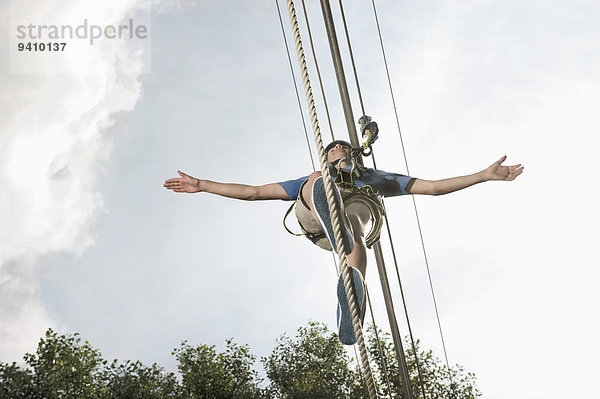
(54, 147)
(472, 81)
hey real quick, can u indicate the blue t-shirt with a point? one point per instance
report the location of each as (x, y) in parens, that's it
(389, 184)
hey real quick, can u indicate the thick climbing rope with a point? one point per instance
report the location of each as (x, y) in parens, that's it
(314, 55)
(387, 223)
(377, 340)
(384, 364)
(334, 209)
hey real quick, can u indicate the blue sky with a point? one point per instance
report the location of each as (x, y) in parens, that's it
(91, 242)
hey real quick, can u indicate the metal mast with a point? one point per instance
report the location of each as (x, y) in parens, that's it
(345, 97)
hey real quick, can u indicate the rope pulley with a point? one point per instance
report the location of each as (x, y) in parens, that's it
(370, 131)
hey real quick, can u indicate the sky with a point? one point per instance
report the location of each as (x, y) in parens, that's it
(91, 242)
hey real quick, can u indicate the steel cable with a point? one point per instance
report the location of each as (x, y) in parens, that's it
(334, 209)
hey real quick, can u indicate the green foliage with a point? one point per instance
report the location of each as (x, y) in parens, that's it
(208, 374)
(15, 382)
(313, 365)
(133, 380)
(63, 367)
(437, 381)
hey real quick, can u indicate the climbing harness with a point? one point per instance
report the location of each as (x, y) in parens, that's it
(345, 180)
(375, 207)
(308, 224)
(366, 195)
(334, 210)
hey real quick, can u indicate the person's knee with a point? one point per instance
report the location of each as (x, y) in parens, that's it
(314, 176)
(308, 187)
(360, 219)
(359, 213)
(358, 232)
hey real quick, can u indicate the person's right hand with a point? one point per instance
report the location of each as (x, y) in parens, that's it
(183, 184)
(497, 171)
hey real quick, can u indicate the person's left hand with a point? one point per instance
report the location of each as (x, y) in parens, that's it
(497, 171)
(183, 184)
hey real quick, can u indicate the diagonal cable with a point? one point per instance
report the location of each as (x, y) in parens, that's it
(295, 86)
(413, 198)
(333, 207)
(412, 340)
(314, 54)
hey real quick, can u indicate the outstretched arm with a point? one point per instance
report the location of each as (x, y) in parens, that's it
(189, 184)
(494, 172)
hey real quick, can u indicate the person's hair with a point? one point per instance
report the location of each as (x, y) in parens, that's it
(333, 143)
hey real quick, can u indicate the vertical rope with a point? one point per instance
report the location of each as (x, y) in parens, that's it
(360, 372)
(334, 209)
(314, 54)
(379, 349)
(413, 198)
(377, 340)
(362, 105)
(412, 340)
(295, 86)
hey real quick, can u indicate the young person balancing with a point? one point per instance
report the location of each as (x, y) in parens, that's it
(358, 190)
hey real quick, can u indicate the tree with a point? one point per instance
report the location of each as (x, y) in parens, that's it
(315, 365)
(312, 365)
(15, 382)
(208, 374)
(63, 367)
(438, 381)
(133, 380)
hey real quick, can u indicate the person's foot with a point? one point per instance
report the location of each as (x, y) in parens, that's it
(319, 200)
(344, 316)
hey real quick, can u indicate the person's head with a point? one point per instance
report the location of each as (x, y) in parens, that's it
(337, 149)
